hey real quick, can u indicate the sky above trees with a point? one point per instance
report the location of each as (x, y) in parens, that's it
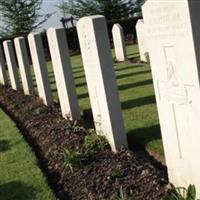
(48, 6)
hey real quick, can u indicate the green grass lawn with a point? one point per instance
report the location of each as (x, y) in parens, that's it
(20, 177)
(136, 95)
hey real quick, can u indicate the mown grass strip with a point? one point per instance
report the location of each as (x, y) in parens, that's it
(20, 177)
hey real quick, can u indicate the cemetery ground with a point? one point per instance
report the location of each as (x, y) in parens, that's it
(103, 173)
(137, 100)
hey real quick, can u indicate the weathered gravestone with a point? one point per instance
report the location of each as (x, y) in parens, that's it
(174, 49)
(24, 65)
(119, 42)
(40, 68)
(141, 37)
(63, 72)
(100, 76)
(3, 76)
(11, 64)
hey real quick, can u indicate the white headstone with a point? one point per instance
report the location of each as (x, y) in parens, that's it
(119, 42)
(24, 65)
(3, 75)
(12, 64)
(40, 68)
(141, 37)
(63, 72)
(174, 49)
(100, 76)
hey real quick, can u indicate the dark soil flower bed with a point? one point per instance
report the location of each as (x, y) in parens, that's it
(102, 176)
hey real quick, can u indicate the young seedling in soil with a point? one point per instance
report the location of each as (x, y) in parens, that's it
(182, 193)
(123, 195)
(40, 110)
(73, 159)
(95, 142)
(75, 126)
(116, 172)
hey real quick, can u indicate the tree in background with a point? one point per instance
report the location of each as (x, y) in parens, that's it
(135, 6)
(20, 17)
(111, 9)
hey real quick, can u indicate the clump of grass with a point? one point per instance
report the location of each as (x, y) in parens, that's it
(40, 110)
(73, 158)
(123, 195)
(94, 141)
(181, 193)
(75, 126)
(116, 172)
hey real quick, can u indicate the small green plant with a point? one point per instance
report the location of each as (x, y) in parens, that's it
(73, 159)
(116, 172)
(94, 141)
(75, 126)
(181, 193)
(123, 195)
(40, 110)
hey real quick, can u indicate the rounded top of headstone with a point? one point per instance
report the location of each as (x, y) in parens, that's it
(90, 18)
(145, 3)
(19, 38)
(51, 29)
(117, 26)
(33, 34)
(140, 22)
(7, 42)
(150, 3)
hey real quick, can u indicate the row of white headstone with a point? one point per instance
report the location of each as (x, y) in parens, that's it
(170, 34)
(98, 66)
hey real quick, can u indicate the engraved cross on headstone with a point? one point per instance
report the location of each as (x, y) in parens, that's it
(173, 90)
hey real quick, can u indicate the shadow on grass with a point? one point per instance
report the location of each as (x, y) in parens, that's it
(78, 71)
(128, 67)
(16, 190)
(138, 102)
(139, 138)
(80, 84)
(51, 76)
(79, 77)
(77, 67)
(4, 145)
(54, 90)
(133, 54)
(132, 85)
(134, 57)
(83, 96)
(132, 74)
(52, 81)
